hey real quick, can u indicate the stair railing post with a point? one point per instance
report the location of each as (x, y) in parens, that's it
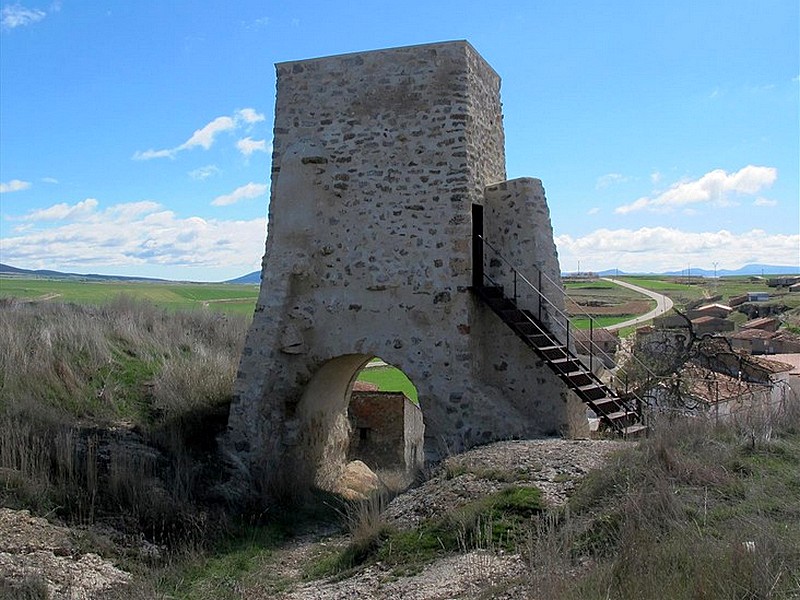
(541, 295)
(515, 286)
(477, 245)
(591, 344)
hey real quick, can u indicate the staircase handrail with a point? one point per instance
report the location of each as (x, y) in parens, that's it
(592, 345)
(563, 291)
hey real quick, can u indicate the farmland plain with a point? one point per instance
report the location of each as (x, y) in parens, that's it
(222, 297)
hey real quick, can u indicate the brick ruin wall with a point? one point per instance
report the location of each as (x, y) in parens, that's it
(378, 158)
(387, 430)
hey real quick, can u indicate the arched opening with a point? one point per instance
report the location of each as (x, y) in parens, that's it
(357, 417)
(387, 431)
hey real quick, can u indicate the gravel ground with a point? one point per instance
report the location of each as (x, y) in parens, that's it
(32, 549)
(552, 465)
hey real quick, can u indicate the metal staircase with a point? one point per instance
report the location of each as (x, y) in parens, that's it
(617, 412)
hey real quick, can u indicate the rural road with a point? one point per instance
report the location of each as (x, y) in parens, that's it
(663, 304)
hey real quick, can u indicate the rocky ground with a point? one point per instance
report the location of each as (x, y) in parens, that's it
(47, 556)
(552, 465)
(44, 560)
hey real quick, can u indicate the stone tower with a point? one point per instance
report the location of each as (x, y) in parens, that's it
(382, 162)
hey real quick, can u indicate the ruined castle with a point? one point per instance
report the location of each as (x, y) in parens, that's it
(388, 175)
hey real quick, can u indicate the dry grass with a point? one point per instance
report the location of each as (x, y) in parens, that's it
(111, 412)
(699, 509)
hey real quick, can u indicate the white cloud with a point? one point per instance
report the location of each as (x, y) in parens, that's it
(52, 180)
(248, 145)
(16, 15)
(663, 249)
(249, 115)
(610, 179)
(245, 192)
(655, 177)
(62, 211)
(716, 188)
(138, 233)
(593, 211)
(202, 173)
(149, 154)
(15, 185)
(760, 201)
(206, 135)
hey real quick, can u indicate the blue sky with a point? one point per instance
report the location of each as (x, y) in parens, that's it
(135, 136)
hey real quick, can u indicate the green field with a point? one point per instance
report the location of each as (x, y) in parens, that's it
(707, 287)
(223, 297)
(583, 322)
(390, 379)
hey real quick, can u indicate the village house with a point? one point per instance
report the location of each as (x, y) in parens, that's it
(721, 311)
(735, 301)
(728, 384)
(757, 296)
(763, 323)
(789, 281)
(711, 325)
(760, 341)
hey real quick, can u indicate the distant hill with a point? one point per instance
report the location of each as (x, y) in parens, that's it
(745, 270)
(254, 277)
(9, 270)
(756, 269)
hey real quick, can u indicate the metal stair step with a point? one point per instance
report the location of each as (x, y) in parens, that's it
(593, 391)
(514, 315)
(565, 360)
(580, 374)
(530, 330)
(609, 402)
(593, 386)
(634, 430)
(620, 414)
(538, 338)
(553, 353)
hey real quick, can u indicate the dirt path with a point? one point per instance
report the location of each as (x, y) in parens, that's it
(205, 303)
(43, 298)
(663, 304)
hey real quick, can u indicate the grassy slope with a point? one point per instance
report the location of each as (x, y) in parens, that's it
(231, 298)
(703, 511)
(390, 379)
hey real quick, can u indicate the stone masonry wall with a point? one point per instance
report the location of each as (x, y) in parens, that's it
(378, 158)
(392, 430)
